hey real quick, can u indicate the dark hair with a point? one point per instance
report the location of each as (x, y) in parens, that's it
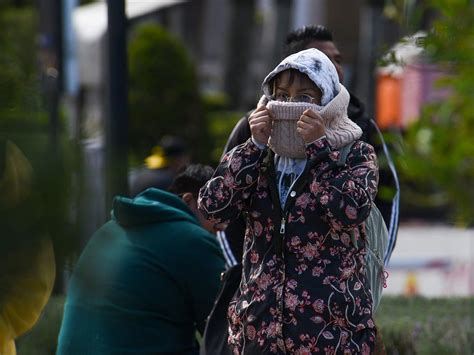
(191, 179)
(300, 38)
(293, 74)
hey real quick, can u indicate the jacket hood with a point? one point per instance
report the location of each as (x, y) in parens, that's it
(151, 206)
(340, 130)
(316, 65)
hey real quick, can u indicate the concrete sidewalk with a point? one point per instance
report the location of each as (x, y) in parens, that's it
(433, 261)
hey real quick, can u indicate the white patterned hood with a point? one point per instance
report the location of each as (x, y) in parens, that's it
(316, 65)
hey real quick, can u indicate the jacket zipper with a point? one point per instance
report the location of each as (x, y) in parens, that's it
(282, 226)
(278, 236)
(281, 304)
(279, 243)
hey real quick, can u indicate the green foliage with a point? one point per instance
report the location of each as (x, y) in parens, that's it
(163, 95)
(408, 13)
(408, 326)
(438, 148)
(220, 127)
(19, 84)
(426, 326)
(16, 3)
(220, 122)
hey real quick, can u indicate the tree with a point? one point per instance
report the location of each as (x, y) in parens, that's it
(163, 92)
(19, 79)
(438, 147)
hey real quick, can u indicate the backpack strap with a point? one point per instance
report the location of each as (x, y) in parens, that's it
(394, 216)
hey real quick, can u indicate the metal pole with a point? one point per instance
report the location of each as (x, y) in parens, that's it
(117, 90)
(240, 45)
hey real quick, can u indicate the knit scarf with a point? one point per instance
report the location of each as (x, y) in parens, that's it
(340, 130)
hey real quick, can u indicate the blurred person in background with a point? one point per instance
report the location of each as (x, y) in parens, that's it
(27, 263)
(166, 159)
(321, 38)
(147, 279)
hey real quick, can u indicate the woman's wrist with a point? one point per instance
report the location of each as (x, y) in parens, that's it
(258, 144)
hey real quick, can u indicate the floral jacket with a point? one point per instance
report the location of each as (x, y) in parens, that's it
(303, 288)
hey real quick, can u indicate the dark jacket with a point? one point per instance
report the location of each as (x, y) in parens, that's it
(145, 281)
(304, 287)
(388, 175)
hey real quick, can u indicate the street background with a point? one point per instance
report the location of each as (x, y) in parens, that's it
(432, 260)
(88, 88)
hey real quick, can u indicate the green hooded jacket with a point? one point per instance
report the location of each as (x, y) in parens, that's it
(144, 283)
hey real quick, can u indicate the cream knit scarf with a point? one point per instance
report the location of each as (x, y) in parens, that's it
(340, 130)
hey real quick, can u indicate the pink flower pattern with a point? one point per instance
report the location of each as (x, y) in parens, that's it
(310, 295)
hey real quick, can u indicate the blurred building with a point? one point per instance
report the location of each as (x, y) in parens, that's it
(236, 42)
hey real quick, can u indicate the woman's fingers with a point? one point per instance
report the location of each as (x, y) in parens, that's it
(260, 119)
(259, 112)
(260, 124)
(310, 116)
(310, 126)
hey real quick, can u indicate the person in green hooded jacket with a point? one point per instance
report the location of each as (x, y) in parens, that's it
(147, 279)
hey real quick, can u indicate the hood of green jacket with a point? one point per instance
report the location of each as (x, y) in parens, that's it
(151, 206)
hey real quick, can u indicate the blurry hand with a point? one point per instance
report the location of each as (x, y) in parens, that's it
(310, 126)
(261, 124)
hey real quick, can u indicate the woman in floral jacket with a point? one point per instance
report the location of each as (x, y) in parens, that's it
(303, 289)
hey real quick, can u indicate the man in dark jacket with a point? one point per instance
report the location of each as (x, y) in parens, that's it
(321, 38)
(147, 278)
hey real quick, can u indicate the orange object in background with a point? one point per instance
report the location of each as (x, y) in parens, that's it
(411, 284)
(388, 94)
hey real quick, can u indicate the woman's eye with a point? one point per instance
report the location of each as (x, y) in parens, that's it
(281, 96)
(304, 98)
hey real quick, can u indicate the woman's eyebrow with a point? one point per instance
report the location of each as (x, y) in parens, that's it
(310, 88)
(300, 89)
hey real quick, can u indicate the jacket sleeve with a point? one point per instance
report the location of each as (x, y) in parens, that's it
(203, 275)
(234, 181)
(344, 199)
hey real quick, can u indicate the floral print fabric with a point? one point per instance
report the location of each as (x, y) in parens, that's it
(303, 288)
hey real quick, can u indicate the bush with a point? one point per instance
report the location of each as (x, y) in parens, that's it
(163, 95)
(220, 121)
(220, 126)
(438, 147)
(20, 100)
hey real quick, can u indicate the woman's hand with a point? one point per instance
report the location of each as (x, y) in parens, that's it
(261, 124)
(310, 126)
